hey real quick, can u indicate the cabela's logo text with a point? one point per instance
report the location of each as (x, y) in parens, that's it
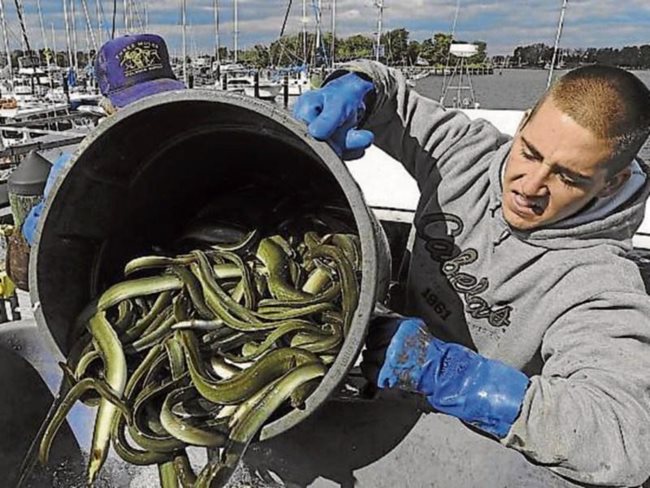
(438, 231)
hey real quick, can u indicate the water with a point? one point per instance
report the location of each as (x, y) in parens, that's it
(515, 89)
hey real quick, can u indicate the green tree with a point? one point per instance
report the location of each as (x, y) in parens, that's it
(258, 56)
(15, 54)
(436, 50)
(61, 59)
(426, 51)
(629, 57)
(607, 55)
(644, 56)
(396, 42)
(533, 55)
(354, 47)
(288, 50)
(441, 44)
(413, 52)
(46, 56)
(223, 54)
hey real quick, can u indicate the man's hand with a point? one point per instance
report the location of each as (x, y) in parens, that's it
(333, 112)
(402, 353)
(395, 352)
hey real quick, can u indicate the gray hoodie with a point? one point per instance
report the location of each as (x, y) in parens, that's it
(562, 304)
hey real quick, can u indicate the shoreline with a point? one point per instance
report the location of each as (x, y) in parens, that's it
(421, 69)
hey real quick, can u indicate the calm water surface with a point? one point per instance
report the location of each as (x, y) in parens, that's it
(516, 89)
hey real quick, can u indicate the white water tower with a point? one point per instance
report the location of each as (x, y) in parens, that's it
(463, 50)
(464, 94)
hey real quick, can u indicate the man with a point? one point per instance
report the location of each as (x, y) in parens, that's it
(128, 69)
(527, 321)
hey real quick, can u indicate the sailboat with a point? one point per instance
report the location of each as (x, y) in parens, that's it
(27, 108)
(235, 77)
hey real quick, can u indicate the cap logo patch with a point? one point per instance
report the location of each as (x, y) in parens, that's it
(140, 57)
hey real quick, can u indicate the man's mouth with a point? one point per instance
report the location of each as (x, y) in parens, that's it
(527, 207)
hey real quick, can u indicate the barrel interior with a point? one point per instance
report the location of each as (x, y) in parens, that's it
(137, 185)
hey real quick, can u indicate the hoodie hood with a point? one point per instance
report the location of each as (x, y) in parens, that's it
(615, 228)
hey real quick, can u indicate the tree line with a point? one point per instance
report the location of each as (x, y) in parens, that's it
(540, 55)
(397, 50)
(45, 57)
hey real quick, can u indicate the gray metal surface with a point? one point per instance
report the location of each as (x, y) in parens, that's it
(387, 442)
(390, 443)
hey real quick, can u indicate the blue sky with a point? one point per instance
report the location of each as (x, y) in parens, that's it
(503, 24)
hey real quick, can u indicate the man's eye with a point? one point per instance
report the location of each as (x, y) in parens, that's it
(527, 155)
(567, 179)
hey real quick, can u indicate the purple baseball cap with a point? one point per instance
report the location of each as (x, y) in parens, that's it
(132, 67)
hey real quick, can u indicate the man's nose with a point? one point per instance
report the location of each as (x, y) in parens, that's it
(536, 181)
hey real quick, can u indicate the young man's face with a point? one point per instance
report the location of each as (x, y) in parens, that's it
(555, 168)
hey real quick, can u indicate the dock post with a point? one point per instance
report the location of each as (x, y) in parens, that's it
(256, 80)
(285, 91)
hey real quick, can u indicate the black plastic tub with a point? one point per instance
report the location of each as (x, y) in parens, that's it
(146, 171)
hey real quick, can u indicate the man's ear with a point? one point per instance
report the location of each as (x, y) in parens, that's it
(615, 183)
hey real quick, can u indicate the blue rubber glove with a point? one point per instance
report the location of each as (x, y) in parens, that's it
(332, 114)
(31, 221)
(401, 353)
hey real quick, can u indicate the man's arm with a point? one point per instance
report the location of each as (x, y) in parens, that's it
(418, 131)
(587, 416)
(366, 98)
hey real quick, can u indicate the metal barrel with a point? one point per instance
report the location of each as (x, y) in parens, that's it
(147, 170)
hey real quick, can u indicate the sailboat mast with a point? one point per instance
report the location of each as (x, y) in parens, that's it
(318, 31)
(45, 49)
(451, 41)
(217, 47)
(304, 31)
(380, 20)
(333, 48)
(40, 18)
(235, 32)
(98, 14)
(557, 43)
(19, 10)
(140, 17)
(56, 62)
(6, 38)
(88, 46)
(89, 25)
(67, 32)
(184, 30)
(74, 35)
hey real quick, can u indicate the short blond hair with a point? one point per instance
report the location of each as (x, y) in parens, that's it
(610, 102)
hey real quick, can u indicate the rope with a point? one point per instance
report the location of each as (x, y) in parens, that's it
(284, 24)
(114, 15)
(19, 10)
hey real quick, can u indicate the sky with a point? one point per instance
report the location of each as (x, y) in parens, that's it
(503, 24)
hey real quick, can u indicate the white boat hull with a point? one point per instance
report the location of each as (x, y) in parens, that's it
(266, 92)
